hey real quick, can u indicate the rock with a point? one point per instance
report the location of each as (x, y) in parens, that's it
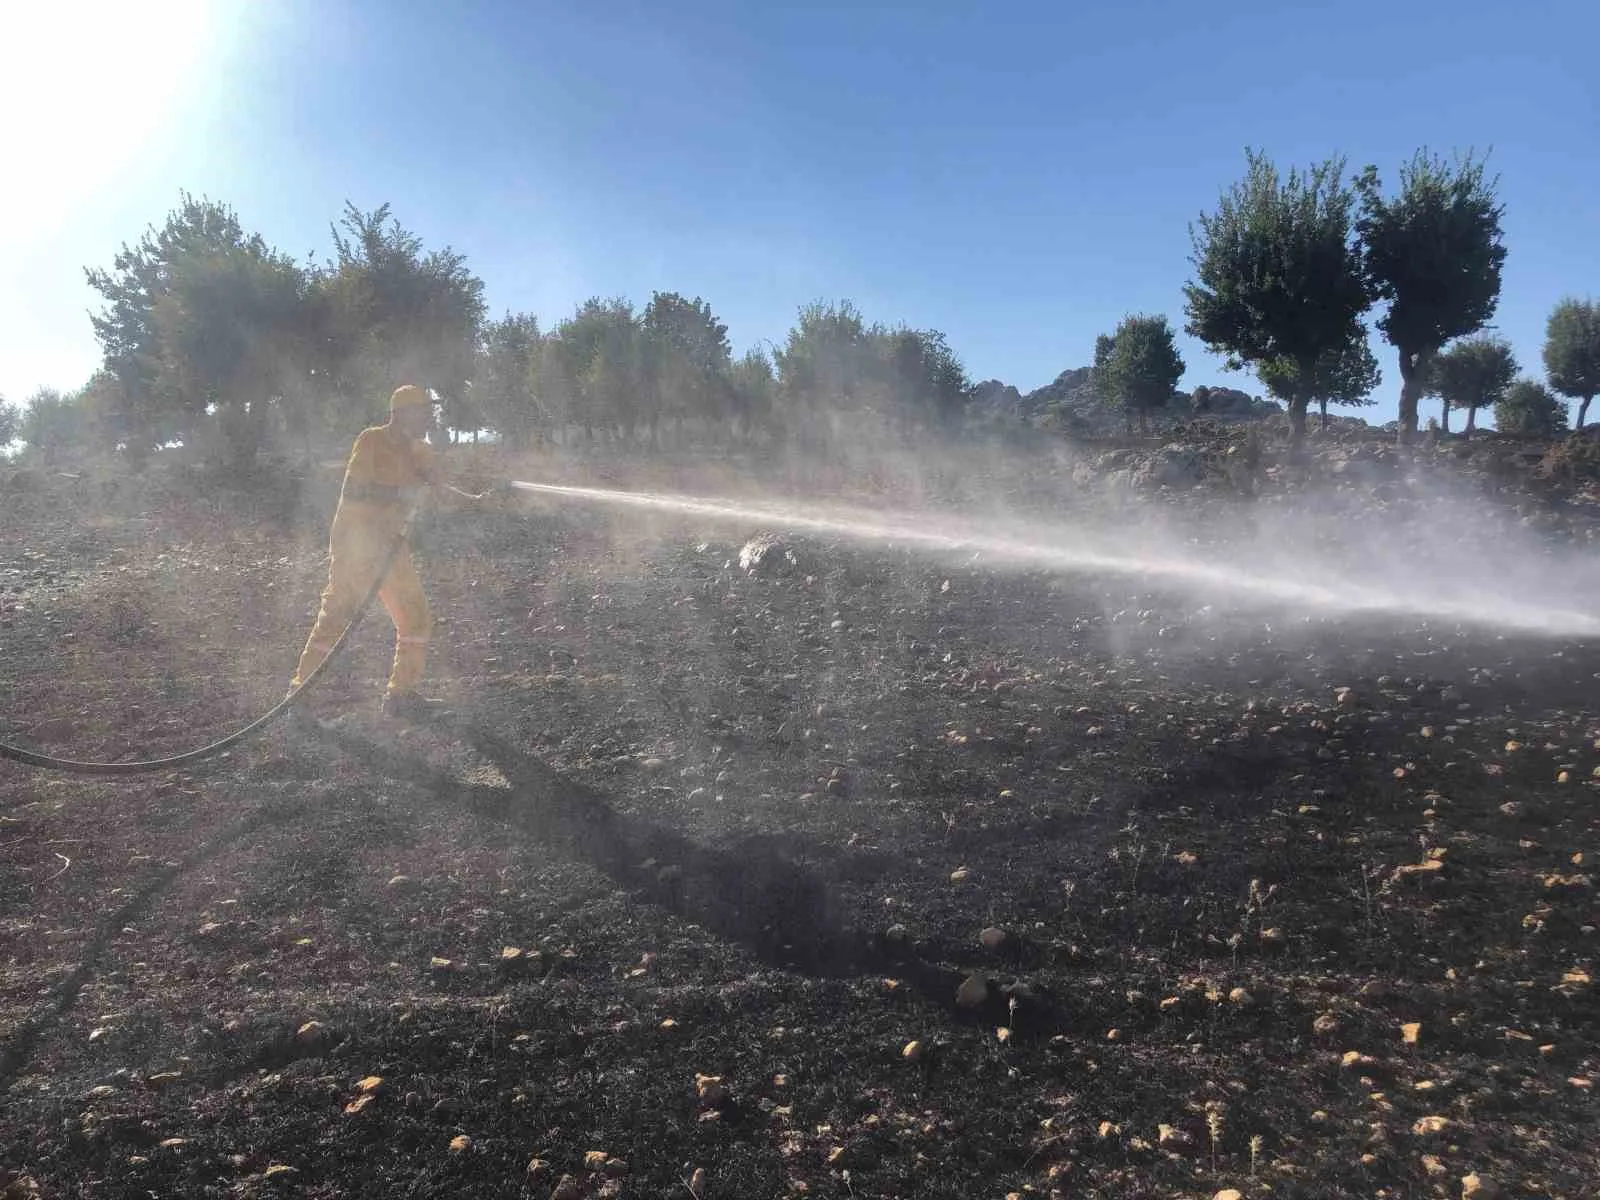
(698, 1181)
(1326, 1025)
(1229, 1194)
(312, 1033)
(566, 1189)
(1410, 1032)
(960, 875)
(973, 992)
(538, 1170)
(767, 556)
(913, 1051)
(1170, 1137)
(1422, 870)
(711, 1090)
(1430, 1126)
(1241, 997)
(460, 1144)
(993, 938)
(1480, 1187)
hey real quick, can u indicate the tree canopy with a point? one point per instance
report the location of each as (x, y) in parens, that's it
(1572, 352)
(1138, 366)
(213, 338)
(1278, 281)
(1530, 407)
(1345, 376)
(1472, 374)
(1433, 253)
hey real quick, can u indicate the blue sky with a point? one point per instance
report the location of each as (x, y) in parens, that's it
(1017, 176)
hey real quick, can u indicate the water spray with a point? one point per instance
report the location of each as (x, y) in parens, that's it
(1076, 551)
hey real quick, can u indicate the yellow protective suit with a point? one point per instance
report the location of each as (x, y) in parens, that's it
(385, 477)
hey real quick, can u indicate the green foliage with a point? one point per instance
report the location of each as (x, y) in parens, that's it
(1434, 253)
(824, 361)
(835, 372)
(1346, 376)
(10, 423)
(51, 422)
(153, 275)
(754, 386)
(685, 358)
(1572, 352)
(1530, 407)
(226, 337)
(925, 382)
(1472, 374)
(1278, 279)
(390, 313)
(1138, 367)
(505, 384)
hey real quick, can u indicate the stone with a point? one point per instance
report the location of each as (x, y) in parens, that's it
(973, 992)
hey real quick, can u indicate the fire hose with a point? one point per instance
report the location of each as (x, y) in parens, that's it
(32, 758)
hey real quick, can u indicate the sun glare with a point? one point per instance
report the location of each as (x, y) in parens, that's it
(86, 85)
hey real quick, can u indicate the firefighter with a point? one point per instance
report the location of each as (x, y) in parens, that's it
(390, 470)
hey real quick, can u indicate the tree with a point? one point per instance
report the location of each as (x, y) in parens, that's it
(50, 423)
(1472, 374)
(754, 387)
(685, 358)
(392, 313)
(1530, 407)
(1572, 352)
(1278, 278)
(923, 382)
(1344, 376)
(151, 410)
(1138, 367)
(1434, 253)
(226, 342)
(505, 383)
(10, 423)
(592, 372)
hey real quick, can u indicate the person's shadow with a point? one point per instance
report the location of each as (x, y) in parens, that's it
(766, 893)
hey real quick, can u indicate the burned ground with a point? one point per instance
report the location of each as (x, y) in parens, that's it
(1214, 923)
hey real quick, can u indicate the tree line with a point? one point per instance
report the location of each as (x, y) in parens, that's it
(212, 338)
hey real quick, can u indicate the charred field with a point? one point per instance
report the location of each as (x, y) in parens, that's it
(855, 872)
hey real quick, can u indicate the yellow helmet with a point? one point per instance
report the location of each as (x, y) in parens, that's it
(409, 396)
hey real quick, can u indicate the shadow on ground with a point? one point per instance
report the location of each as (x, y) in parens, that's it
(768, 894)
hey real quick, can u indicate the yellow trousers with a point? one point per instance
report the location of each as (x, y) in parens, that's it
(352, 565)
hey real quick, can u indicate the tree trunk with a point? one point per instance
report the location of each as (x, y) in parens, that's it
(1413, 377)
(1472, 421)
(1322, 406)
(1444, 416)
(1583, 411)
(1297, 424)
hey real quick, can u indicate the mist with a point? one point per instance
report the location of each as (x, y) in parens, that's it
(1447, 554)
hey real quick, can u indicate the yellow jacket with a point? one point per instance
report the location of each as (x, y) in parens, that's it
(385, 476)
